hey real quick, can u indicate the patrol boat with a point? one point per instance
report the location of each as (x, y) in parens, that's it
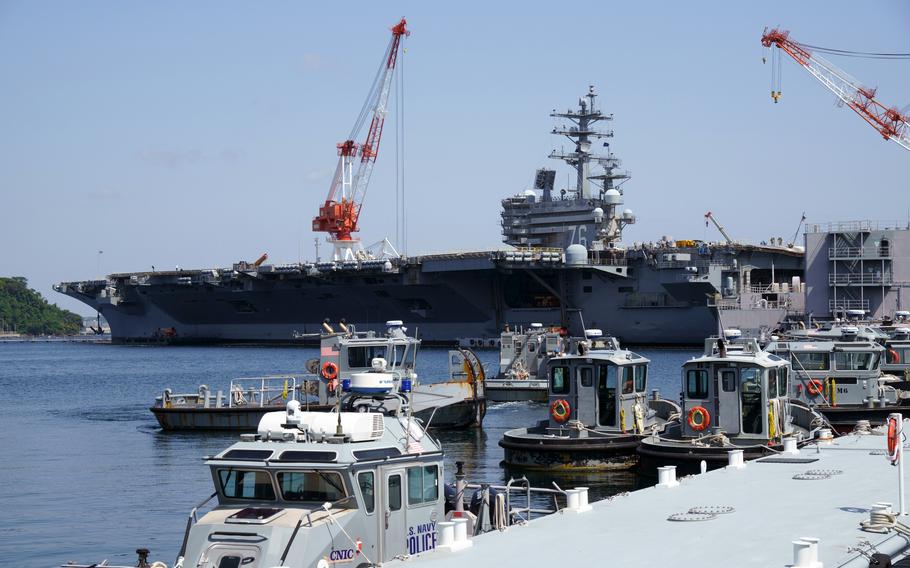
(842, 378)
(732, 399)
(522, 353)
(321, 489)
(599, 410)
(458, 402)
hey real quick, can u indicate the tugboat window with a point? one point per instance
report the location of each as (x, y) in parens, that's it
(855, 361)
(246, 484)
(641, 378)
(782, 380)
(697, 383)
(628, 385)
(394, 492)
(810, 361)
(360, 357)
(606, 395)
(772, 383)
(229, 562)
(423, 484)
(750, 395)
(586, 375)
(728, 381)
(559, 380)
(365, 480)
(318, 486)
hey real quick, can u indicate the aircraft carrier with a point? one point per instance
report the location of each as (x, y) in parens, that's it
(567, 265)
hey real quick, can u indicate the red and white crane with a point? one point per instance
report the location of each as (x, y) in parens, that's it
(890, 122)
(339, 214)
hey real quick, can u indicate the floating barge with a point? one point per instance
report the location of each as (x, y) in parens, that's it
(802, 509)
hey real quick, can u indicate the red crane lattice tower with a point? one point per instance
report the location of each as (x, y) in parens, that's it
(890, 122)
(339, 214)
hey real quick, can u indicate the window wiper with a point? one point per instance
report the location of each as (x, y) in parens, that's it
(328, 479)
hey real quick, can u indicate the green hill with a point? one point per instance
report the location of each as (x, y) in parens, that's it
(26, 311)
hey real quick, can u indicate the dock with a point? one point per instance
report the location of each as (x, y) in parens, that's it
(802, 509)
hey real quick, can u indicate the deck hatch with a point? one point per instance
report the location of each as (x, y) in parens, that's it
(307, 456)
(255, 515)
(247, 455)
(776, 459)
(376, 454)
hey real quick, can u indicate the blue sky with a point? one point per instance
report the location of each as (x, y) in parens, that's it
(197, 134)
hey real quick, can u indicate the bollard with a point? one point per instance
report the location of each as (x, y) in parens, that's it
(703, 466)
(446, 533)
(813, 550)
(790, 446)
(802, 554)
(666, 476)
(735, 459)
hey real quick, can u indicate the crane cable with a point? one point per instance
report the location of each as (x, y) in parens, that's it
(847, 53)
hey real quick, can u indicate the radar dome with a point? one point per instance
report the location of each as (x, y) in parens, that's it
(529, 193)
(612, 197)
(598, 214)
(628, 214)
(576, 255)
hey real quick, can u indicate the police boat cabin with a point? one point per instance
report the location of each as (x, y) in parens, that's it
(842, 378)
(321, 489)
(598, 411)
(734, 397)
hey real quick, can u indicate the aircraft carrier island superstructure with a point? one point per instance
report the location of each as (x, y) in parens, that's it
(567, 266)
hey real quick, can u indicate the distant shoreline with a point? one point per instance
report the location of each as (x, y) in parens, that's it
(104, 338)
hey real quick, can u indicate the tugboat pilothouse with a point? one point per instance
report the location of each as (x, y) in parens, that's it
(598, 411)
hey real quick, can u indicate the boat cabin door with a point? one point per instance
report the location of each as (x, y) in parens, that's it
(727, 409)
(585, 401)
(393, 522)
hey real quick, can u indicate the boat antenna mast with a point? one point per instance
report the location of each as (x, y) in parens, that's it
(339, 215)
(890, 122)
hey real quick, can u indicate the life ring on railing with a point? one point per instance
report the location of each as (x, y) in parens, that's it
(895, 357)
(892, 440)
(698, 418)
(329, 370)
(560, 410)
(815, 387)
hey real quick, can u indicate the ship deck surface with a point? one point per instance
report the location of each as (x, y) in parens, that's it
(772, 509)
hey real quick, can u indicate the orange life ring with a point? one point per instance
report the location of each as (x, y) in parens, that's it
(703, 418)
(892, 440)
(329, 370)
(560, 410)
(815, 387)
(895, 357)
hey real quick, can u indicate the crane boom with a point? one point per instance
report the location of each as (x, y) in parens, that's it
(339, 214)
(891, 123)
(720, 227)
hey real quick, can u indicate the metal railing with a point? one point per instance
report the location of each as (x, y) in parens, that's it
(848, 305)
(864, 279)
(855, 226)
(873, 252)
(267, 391)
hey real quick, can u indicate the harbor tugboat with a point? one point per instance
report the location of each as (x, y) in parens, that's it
(598, 412)
(732, 399)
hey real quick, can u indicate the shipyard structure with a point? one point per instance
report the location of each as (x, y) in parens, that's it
(567, 265)
(857, 266)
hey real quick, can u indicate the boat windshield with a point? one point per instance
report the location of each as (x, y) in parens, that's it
(317, 486)
(856, 360)
(362, 357)
(251, 484)
(810, 361)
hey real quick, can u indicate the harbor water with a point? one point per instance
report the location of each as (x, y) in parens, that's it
(88, 475)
